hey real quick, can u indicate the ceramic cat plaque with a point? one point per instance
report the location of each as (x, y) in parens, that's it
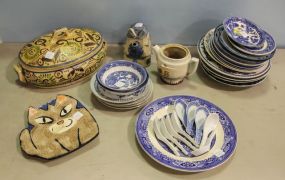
(57, 128)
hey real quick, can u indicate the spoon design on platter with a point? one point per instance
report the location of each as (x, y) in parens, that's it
(200, 118)
(210, 125)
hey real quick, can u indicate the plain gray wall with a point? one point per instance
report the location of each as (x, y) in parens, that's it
(181, 21)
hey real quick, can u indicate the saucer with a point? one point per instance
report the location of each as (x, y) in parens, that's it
(127, 100)
(243, 32)
(268, 47)
(234, 83)
(222, 41)
(205, 58)
(226, 137)
(220, 59)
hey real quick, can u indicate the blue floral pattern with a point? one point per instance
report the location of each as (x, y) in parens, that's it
(230, 136)
(122, 80)
(243, 31)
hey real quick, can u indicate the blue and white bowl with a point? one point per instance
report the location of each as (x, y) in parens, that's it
(112, 96)
(122, 76)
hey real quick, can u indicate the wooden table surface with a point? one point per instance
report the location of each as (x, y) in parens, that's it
(257, 112)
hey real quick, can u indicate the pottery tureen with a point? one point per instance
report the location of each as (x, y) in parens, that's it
(60, 58)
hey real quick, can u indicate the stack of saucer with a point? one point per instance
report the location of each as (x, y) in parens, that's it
(237, 53)
(122, 85)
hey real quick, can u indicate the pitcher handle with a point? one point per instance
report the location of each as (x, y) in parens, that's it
(192, 66)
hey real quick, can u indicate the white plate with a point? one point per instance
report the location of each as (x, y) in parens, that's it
(96, 92)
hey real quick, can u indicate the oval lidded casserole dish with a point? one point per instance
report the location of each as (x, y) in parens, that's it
(61, 58)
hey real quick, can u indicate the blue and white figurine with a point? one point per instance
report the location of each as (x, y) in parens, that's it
(138, 45)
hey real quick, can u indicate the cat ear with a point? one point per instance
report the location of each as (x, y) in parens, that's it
(31, 114)
(61, 99)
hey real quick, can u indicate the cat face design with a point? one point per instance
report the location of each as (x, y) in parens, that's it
(64, 124)
(58, 128)
(58, 119)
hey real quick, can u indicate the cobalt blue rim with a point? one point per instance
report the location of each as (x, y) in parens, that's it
(239, 40)
(218, 57)
(232, 82)
(196, 166)
(271, 46)
(223, 42)
(115, 63)
(205, 57)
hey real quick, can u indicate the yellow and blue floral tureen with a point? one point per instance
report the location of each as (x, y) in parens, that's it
(60, 58)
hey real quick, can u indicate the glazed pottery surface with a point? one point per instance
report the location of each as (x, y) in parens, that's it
(221, 40)
(174, 62)
(111, 96)
(58, 128)
(122, 76)
(137, 47)
(122, 102)
(221, 149)
(64, 56)
(243, 31)
(223, 62)
(267, 48)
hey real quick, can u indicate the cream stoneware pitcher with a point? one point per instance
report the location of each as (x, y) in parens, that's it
(174, 62)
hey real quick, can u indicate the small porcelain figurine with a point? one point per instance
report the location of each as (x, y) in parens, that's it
(138, 45)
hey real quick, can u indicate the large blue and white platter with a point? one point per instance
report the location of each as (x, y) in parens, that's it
(243, 32)
(225, 141)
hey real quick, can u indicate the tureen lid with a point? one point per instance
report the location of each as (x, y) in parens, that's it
(63, 46)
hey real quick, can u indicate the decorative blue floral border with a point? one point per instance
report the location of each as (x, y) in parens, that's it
(228, 24)
(126, 63)
(271, 46)
(230, 138)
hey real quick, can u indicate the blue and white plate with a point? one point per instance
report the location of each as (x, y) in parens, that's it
(243, 32)
(122, 76)
(232, 83)
(207, 60)
(122, 97)
(226, 137)
(268, 47)
(220, 59)
(222, 41)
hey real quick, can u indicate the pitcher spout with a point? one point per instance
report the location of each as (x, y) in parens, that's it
(156, 50)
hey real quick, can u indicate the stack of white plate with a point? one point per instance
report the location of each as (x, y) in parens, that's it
(237, 53)
(122, 85)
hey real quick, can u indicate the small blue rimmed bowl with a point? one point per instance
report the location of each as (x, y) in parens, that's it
(122, 76)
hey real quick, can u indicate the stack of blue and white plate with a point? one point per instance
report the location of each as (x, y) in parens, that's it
(122, 85)
(237, 53)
